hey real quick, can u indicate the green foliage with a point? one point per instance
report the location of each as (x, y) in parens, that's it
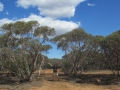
(20, 53)
(111, 50)
(85, 51)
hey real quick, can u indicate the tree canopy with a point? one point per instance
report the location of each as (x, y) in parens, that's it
(23, 45)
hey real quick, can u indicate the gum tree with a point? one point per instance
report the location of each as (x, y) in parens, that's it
(74, 44)
(21, 50)
(111, 50)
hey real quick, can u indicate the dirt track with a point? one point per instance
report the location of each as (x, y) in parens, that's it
(48, 84)
(67, 86)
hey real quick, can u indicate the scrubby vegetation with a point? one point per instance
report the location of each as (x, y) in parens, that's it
(23, 48)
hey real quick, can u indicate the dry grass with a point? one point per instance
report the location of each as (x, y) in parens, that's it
(99, 72)
(82, 82)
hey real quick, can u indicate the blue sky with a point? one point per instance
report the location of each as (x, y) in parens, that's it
(97, 17)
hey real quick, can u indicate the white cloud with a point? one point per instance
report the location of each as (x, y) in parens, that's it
(1, 6)
(89, 4)
(5, 20)
(61, 27)
(7, 13)
(52, 8)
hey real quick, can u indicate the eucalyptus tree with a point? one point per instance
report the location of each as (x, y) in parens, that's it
(94, 52)
(111, 49)
(74, 44)
(21, 51)
(43, 34)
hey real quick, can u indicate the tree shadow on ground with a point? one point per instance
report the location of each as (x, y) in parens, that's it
(8, 80)
(62, 77)
(98, 79)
